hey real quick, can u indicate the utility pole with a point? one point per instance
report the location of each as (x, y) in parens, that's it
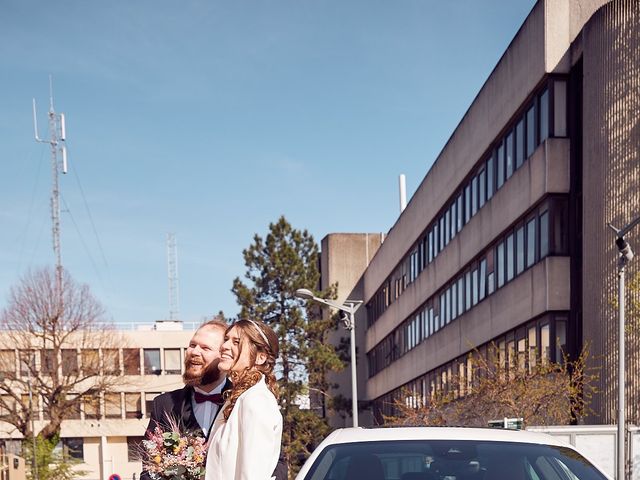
(56, 141)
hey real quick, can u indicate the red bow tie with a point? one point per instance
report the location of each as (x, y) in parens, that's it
(201, 398)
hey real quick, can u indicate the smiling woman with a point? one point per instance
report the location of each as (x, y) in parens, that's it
(245, 440)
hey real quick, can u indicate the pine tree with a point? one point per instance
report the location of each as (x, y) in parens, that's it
(286, 260)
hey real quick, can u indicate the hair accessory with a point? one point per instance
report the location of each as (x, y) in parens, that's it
(259, 330)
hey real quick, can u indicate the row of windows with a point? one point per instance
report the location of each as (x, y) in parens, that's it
(73, 448)
(521, 348)
(92, 406)
(507, 155)
(540, 233)
(72, 361)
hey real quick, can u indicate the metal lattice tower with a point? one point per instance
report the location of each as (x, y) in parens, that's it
(56, 141)
(172, 267)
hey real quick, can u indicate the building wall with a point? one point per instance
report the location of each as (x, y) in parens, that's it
(611, 96)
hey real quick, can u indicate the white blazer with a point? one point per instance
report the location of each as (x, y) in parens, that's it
(247, 446)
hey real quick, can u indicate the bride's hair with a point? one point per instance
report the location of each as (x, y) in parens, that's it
(259, 338)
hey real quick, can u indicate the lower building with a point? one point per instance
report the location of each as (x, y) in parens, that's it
(104, 432)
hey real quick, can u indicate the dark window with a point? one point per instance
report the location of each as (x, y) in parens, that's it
(69, 362)
(519, 250)
(531, 242)
(500, 264)
(430, 247)
(474, 286)
(531, 131)
(467, 204)
(510, 263)
(454, 221)
(509, 160)
(447, 227)
(134, 449)
(460, 214)
(520, 143)
(500, 161)
(474, 196)
(131, 358)
(482, 186)
(468, 286)
(482, 281)
(544, 234)
(454, 301)
(436, 236)
(544, 115)
(461, 308)
(490, 177)
(73, 448)
(48, 362)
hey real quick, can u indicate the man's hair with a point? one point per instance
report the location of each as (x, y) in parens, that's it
(217, 322)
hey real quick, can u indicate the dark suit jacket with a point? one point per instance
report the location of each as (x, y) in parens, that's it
(177, 405)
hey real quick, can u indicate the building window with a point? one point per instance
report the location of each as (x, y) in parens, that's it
(460, 214)
(533, 347)
(531, 130)
(90, 361)
(520, 250)
(152, 361)
(482, 283)
(134, 449)
(149, 397)
(27, 359)
(510, 263)
(490, 177)
(520, 143)
(73, 447)
(131, 357)
(454, 300)
(474, 196)
(500, 161)
(112, 405)
(172, 363)
(70, 362)
(133, 405)
(500, 264)
(7, 361)
(544, 115)
(461, 295)
(482, 187)
(47, 361)
(111, 360)
(474, 283)
(509, 160)
(91, 405)
(545, 343)
(544, 234)
(467, 204)
(531, 242)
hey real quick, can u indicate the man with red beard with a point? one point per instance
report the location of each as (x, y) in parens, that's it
(196, 405)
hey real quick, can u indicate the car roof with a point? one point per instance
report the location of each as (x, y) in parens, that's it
(350, 435)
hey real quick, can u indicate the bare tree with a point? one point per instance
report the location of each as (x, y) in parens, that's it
(54, 344)
(537, 390)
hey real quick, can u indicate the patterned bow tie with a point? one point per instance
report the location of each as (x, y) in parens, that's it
(201, 398)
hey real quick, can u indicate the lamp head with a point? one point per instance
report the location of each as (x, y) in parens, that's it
(304, 293)
(625, 249)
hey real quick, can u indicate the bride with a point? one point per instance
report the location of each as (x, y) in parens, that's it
(245, 439)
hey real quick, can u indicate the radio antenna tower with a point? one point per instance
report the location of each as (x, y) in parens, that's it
(172, 267)
(56, 141)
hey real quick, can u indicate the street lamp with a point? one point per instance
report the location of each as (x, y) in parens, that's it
(625, 256)
(349, 307)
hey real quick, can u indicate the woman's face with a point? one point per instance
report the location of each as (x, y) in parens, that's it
(234, 352)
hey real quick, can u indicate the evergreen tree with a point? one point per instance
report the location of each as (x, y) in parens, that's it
(286, 260)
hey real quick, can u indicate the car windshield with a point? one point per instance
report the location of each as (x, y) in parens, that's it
(450, 460)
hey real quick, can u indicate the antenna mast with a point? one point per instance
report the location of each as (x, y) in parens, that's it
(172, 267)
(57, 137)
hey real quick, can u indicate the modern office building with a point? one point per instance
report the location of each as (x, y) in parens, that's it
(505, 240)
(103, 434)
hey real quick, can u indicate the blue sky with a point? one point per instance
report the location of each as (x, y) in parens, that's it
(211, 119)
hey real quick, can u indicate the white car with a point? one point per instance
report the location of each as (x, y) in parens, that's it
(445, 453)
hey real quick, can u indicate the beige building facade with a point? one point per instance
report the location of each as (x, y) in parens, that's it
(505, 240)
(103, 435)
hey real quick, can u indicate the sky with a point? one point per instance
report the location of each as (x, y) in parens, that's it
(211, 119)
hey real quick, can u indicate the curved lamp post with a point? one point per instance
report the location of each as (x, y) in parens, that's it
(349, 307)
(624, 257)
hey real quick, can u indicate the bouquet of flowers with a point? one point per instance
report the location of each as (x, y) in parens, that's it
(172, 455)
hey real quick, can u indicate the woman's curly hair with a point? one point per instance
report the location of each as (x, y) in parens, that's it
(247, 378)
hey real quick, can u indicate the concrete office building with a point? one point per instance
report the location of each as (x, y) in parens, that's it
(103, 435)
(505, 239)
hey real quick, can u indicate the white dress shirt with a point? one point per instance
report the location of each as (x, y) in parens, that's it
(247, 445)
(205, 412)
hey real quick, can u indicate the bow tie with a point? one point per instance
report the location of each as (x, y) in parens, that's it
(201, 398)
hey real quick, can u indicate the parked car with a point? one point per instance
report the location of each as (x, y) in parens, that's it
(445, 453)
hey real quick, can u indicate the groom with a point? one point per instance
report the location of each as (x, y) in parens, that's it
(196, 405)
